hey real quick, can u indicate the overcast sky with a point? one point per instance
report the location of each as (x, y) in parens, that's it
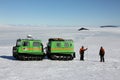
(60, 12)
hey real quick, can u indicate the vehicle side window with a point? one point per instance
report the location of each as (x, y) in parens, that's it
(66, 45)
(25, 43)
(18, 43)
(36, 44)
(58, 44)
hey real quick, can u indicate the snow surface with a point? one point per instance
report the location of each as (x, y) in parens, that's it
(90, 69)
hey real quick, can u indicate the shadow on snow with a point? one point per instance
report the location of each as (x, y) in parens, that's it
(7, 57)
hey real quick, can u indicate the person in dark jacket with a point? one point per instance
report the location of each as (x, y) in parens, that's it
(102, 53)
(81, 51)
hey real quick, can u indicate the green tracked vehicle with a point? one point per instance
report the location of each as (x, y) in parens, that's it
(60, 49)
(28, 49)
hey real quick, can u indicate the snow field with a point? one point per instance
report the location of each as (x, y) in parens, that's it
(90, 69)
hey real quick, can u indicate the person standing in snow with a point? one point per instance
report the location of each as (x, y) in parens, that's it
(81, 51)
(102, 53)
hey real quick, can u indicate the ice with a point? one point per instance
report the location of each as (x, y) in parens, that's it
(90, 69)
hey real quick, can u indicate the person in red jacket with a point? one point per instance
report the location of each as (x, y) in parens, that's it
(102, 53)
(81, 51)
